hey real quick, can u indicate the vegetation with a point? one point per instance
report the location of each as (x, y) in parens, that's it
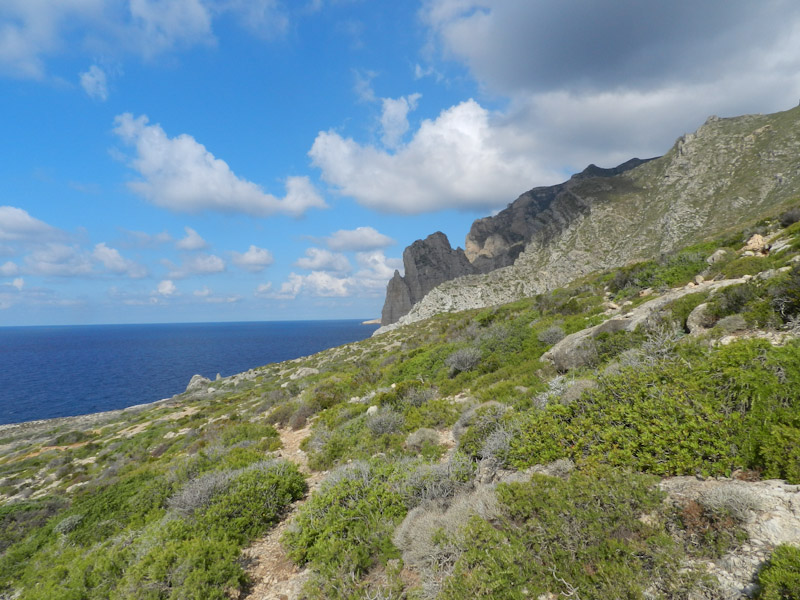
(560, 468)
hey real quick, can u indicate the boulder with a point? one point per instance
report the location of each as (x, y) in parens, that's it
(699, 319)
(718, 256)
(197, 383)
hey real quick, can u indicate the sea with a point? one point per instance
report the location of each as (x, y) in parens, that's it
(61, 371)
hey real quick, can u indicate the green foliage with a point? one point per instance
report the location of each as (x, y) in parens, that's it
(19, 519)
(780, 577)
(710, 412)
(669, 270)
(681, 308)
(577, 537)
(346, 526)
(266, 436)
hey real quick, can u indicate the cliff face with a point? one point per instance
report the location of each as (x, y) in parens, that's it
(427, 263)
(542, 213)
(728, 172)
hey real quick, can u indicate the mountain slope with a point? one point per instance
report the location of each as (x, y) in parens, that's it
(727, 173)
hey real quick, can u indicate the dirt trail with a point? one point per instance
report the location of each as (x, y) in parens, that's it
(274, 575)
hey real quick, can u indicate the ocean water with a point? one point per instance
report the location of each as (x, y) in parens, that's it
(48, 372)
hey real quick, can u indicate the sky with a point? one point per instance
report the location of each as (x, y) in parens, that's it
(256, 160)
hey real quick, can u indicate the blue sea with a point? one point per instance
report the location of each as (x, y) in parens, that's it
(74, 370)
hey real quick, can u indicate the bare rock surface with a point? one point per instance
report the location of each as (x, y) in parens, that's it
(720, 177)
(770, 511)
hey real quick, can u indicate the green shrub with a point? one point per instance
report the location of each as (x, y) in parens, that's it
(346, 526)
(579, 537)
(780, 577)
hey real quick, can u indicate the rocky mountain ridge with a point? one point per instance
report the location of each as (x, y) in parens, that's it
(730, 171)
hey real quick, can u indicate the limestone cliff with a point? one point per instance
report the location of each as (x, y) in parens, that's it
(729, 172)
(427, 263)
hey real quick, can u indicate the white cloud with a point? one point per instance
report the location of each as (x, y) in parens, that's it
(9, 269)
(394, 118)
(360, 238)
(197, 264)
(192, 241)
(95, 83)
(158, 26)
(114, 262)
(166, 288)
(202, 293)
(140, 239)
(369, 280)
(33, 30)
(255, 259)
(17, 225)
(61, 260)
(18, 283)
(181, 175)
(462, 159)
(264, 290)
(319, 259)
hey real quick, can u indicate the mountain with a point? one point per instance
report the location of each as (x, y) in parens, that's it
(727, 173)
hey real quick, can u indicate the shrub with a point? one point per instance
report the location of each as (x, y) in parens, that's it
(780, 577)
(384, 421)
(733, 499)
(436, 482)
(551, 335)
(790, 217)
(786, 295)
(67, 524)
(463, 360)
(345, 527)
(430, 535)
(478, 424)
(730, 324)
(198, 493)
(422, 437)
(579, 537)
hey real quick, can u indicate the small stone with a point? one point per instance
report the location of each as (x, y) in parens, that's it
(698, 279)
(748, 253)
(372, 410)
(645, 292)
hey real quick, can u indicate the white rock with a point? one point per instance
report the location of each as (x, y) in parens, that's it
(372, 410)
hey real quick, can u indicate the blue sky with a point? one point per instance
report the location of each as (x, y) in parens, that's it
(219, 160)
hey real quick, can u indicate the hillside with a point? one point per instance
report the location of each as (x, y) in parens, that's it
(635, 434)
(719, 178)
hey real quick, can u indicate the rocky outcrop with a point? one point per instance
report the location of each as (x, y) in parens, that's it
(541, 214)
(728, 173)
(427, 263)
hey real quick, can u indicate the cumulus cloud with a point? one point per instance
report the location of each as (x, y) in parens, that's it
(9, 269)
(255, 259)
(607, 80)
(60, 260)
(319, 259)
(394, 118)
(192, 241)
(196, 264)
(112, 260)
(370, 280)
(360, 238)
(141, 239)
(33, 30)
(181, 175)
(95, 83)
(17, 225)
(166, 288)
(462, 159)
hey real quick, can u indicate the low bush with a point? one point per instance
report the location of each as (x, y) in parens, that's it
(580, 537)
(551, 335)
(780, 577)
(463, 360)
(345, 528)
(790, 217)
